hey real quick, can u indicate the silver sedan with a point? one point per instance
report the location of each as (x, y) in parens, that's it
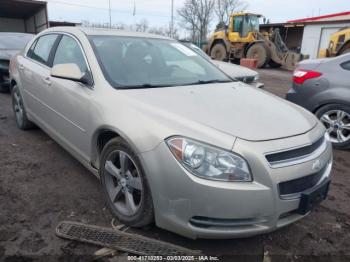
(173, 139)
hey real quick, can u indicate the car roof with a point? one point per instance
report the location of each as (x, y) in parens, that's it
(105, 31)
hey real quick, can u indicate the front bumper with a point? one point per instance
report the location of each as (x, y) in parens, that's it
(199, 208)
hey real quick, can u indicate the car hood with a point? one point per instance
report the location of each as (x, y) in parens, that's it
(7, 54)
(233, 70)
(233, 108)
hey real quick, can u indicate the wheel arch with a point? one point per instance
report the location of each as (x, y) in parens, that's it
(330, 102)
(215, 42)
(101, 137)
(12, 84)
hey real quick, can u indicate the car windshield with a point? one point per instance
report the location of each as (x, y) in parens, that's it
(251, 24)
(197, 50)
(14, 42)
(136, 62)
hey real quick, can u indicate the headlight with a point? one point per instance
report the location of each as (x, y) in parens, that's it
(256, 78)
(209, 162)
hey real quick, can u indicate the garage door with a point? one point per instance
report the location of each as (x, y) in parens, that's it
(325, 35)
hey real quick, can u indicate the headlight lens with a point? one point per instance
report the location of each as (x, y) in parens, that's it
(209, 162)
(256, 78)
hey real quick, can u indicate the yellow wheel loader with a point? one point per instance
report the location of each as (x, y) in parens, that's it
(339, 44)
(242, 39)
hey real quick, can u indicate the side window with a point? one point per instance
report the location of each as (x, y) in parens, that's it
(42, 49)
(238, 24)
(31, 49)
(69, 52)
(346, 65)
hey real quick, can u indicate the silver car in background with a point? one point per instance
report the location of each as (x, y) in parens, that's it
(173, 139)
(241, 73)
(322, 87)
(10, 44)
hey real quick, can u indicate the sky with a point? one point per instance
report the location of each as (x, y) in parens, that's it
(158, 12)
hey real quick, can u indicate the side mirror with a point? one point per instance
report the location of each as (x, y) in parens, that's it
(71, 72)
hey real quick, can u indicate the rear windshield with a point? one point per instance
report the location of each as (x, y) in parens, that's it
(136, 62)
(14, 42)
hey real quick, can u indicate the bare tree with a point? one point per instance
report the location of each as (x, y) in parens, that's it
(196, 15)
(164, 31)
(224, 8)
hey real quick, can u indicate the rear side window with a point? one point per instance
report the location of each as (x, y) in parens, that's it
(69, 52)
(346, 65)
(42, 49)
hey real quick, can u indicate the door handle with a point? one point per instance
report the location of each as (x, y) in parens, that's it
(21, 67)
(47, 81)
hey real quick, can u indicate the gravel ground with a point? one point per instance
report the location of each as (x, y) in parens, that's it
(41, 184)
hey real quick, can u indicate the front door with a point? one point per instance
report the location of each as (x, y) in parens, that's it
(71, 101)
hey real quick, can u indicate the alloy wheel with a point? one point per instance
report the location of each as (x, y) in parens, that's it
(123, 183)
(337, 123)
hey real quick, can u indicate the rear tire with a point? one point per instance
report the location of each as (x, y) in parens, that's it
(336, 119)
(125, 186)
(259, 52)
(20, 111)
(219, 52)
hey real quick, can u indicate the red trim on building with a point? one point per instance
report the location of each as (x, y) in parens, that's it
(316, 18)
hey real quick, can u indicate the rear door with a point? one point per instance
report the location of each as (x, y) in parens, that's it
(35, 72)
(70, 101)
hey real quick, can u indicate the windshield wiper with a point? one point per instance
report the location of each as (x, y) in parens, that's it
(213, 81)
(144, 86)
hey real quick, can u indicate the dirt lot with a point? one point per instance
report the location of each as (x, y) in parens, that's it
(41, 184)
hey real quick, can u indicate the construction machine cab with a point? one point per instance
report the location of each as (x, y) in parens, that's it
(244, 24)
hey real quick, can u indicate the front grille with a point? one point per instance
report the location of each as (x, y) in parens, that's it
(301, 184)
(294, 153)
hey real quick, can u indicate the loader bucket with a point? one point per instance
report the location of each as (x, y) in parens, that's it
(291, 59)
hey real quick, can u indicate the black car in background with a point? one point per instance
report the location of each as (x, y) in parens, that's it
(323, 87)
(10, 44)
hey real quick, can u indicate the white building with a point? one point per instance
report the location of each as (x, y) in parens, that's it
(317, 31)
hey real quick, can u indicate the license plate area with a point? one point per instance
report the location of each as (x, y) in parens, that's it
(313, 197)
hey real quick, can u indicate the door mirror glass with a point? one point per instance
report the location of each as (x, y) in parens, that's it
(68, 71)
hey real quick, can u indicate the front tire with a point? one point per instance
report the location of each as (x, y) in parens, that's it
(258, 52)
(125, 185)
(336, 119)
(21, 117)
(219, 52)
